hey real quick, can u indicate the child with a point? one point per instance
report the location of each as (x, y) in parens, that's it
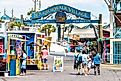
(77, 61)
(97, 61)
(84, 62)
(89, 64)
(23, 64)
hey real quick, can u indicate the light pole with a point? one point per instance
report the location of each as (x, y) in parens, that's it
(35, 5)
(111, 30)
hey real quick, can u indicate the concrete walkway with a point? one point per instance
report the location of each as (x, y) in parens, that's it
(69, 74)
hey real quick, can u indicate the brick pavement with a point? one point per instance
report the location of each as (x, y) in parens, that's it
(67, 75)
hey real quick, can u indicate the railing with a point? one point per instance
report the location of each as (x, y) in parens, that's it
(116, 58)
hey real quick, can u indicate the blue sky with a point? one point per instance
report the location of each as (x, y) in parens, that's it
(22, 6)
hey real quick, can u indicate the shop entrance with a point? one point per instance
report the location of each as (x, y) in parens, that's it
(59, 14)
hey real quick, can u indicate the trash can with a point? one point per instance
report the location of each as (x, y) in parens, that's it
(12, 67)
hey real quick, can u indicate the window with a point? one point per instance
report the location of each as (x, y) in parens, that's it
(117, 52)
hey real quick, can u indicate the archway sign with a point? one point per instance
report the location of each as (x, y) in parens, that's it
(83, 16)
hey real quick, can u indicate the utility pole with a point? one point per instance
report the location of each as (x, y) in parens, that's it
(111, 10)
(4, 11)
(111, 30)
(12, 13)
(35, 5)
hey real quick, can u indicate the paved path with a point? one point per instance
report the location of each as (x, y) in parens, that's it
(67, 75)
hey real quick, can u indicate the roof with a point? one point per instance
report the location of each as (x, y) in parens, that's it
(83, 33)
(5, 17)
(89, 26)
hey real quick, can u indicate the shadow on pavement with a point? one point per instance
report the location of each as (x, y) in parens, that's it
(79, 74)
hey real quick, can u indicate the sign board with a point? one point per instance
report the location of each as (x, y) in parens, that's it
(58, 63)
(60, 17)
(66, 21)
(61, 7)
(16, 36)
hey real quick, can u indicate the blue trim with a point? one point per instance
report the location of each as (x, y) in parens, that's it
(66, 21)
(61, 7)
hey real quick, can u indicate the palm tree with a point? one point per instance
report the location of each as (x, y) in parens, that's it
(13, 24)
(48, 29)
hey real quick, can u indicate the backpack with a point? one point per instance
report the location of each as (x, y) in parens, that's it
(76, 59)
(76, 62)
(84, 59)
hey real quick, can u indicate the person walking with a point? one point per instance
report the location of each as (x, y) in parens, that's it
(44, 58)
(77, 61)
(84, 62)
(23, 62)
(89, 64)
(97, 61)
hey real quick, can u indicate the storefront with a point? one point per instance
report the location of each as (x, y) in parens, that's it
(16, 43)
(79, 36)
(2, 56)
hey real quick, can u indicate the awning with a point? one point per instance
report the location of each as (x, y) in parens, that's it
(83, 33)
(14, 38)
(34, 44)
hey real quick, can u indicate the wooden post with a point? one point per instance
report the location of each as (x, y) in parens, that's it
(100, 32)
(63, 31)
(59, 31)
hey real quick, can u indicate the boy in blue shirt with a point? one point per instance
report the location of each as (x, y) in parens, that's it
(97, 61)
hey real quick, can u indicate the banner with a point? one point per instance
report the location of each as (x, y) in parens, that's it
(58, 63)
